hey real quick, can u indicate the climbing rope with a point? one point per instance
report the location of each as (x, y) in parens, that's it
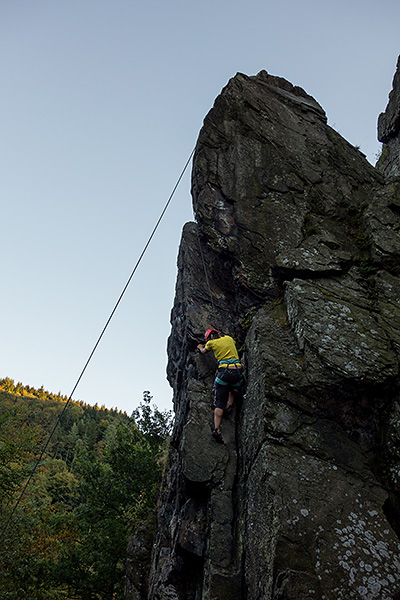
(95, 347)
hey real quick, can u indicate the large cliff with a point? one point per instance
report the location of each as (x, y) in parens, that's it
(295, 252)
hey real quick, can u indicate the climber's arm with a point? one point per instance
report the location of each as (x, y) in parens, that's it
(202, 348)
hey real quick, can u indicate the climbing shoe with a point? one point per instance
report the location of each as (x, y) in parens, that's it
(217, 437)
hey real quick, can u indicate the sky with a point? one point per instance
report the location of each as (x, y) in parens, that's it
(101, 105)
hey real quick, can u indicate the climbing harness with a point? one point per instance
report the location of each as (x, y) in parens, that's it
(235, 362)
(230, 364)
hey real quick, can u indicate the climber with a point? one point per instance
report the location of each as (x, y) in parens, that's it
(229, 379)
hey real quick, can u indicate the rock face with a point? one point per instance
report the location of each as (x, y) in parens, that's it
(295, 253)
(389, 130)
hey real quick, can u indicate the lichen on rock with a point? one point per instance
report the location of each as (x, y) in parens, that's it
(300, 238)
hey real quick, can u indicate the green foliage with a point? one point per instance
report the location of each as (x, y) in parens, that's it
(97, 485)
(17, 444)
(366, 267)
(81, 425)
(154, 424)
(355, 230)
(382, 156)
(247, 319)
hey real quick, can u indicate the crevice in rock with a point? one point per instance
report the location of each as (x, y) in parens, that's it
(395, 208)
(391, 508)
(188, 580)
(311, 497)
(283, 275)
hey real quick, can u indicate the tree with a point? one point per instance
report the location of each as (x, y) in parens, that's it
(96, 486)
(32, 539)
(117, 494)
(153, 423)
(18, 442)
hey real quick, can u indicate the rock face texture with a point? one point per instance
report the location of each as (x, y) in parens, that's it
(295, 252)
(389, 130)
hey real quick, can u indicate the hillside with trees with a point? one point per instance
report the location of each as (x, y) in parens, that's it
(96, 484)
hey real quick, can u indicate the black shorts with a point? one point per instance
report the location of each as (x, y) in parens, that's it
(233, 380)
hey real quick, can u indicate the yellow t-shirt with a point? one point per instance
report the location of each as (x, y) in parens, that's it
(224, 348)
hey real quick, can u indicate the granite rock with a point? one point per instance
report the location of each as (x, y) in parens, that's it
(295, 252)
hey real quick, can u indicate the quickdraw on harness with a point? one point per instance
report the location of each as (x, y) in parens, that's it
(226, 363)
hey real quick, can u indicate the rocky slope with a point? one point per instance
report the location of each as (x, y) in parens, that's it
(295, 252)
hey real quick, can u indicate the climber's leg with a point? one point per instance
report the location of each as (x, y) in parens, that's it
(220, 402)
(218, 413)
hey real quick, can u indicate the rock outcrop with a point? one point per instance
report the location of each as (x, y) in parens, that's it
(389, 131)
(295, 252)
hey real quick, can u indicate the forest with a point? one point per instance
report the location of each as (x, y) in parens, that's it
(64, 535)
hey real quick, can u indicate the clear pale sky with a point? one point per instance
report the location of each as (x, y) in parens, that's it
(101, 105)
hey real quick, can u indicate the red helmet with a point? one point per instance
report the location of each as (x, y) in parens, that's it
(209, 332)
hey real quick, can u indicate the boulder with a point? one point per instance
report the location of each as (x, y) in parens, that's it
(295, 253)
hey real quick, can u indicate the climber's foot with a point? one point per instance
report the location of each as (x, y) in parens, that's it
(217, 436)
